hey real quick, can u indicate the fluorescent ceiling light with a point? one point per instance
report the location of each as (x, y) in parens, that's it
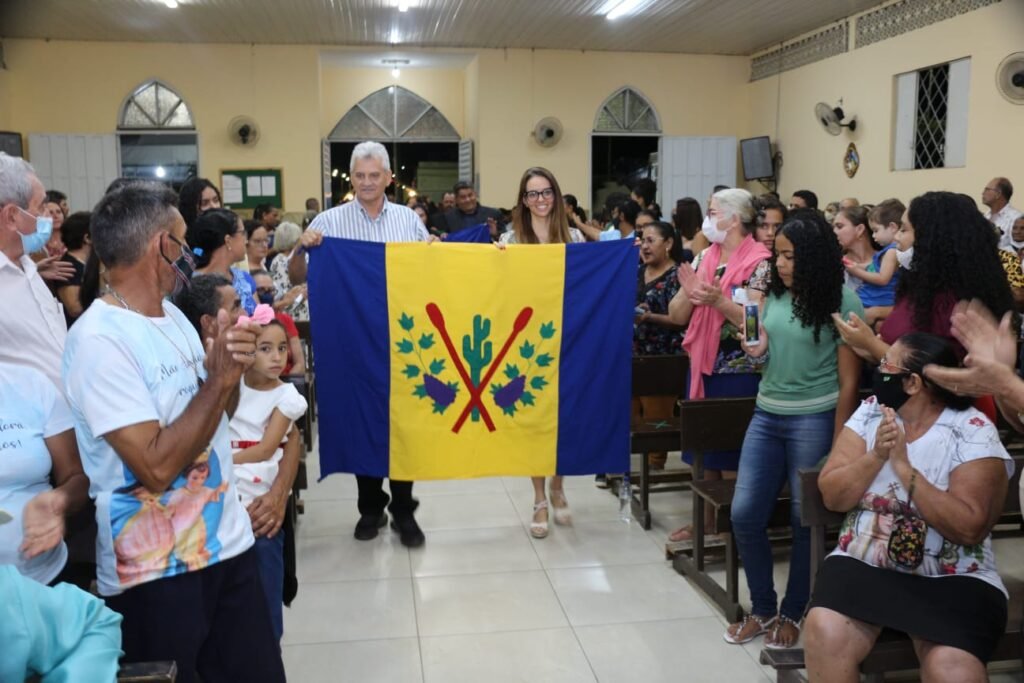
(171, 4)
(396, 72)
(160, 172)
(621, 8)
(403, 6)
(396, 37)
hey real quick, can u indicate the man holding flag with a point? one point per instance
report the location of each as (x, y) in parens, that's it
(372, 218)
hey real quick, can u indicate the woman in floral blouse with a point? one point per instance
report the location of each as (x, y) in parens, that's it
(655, 334)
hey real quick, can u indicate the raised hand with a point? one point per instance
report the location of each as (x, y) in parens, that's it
(991, 352)
(53, 269)
(232, 351)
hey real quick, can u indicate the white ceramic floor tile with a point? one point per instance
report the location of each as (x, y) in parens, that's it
(486, 603)
(595, 544)
(328, 518)
(466, 511)
(666, 651)
(475, 551)
(366, 661)
(350, 610)
(527, 656)
(334, 487)
(458, 487)
(610, 595)
(343, 558)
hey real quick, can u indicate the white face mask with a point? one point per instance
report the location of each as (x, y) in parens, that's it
(905, 257)
(710, 229)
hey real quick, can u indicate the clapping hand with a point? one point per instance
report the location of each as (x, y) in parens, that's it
(53, 269)
(43, 524)
(991, 352)
(687, 277)
(855, 332)
(706, 294)
(886, 434)
(232, 351)
(896, 441)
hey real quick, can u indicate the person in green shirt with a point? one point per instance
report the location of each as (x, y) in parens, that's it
(808, 390)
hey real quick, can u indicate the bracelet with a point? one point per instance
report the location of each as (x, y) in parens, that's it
(913, 482)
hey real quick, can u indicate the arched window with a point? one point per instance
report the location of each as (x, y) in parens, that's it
(627, 111)
(394, 114)
(154, 105)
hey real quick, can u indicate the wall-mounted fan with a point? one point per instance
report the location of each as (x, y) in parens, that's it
(1010, 78)
(244, 131)
(831, 118)
(548, 131)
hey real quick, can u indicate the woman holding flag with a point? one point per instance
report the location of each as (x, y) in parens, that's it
(539, 217)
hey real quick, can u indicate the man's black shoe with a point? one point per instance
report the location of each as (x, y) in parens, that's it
(408, 530)
(367, 526)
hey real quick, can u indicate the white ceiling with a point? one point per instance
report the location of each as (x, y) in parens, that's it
(735, 27)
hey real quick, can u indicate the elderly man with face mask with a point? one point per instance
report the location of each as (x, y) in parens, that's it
(34, 328)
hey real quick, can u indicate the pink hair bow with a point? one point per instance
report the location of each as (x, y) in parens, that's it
(262, 315)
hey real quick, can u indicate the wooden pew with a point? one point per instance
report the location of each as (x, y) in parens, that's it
(717, 424)
(893, 651)
(654, 376)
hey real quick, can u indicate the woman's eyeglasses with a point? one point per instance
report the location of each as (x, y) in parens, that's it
(534, 195)
(892, 367)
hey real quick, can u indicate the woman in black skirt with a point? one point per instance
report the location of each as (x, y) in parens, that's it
(923, 477)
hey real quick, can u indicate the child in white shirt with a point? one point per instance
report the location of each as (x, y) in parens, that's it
(267, 408)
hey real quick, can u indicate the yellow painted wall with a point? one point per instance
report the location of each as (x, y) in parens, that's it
(343, 87)
(5, 101)
(276, 85)
(693, 95)
(864, 78)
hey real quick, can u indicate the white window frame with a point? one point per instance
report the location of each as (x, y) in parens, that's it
(905, 117)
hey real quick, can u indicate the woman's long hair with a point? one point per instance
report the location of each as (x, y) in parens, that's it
(817, 271)
(522, 220)
(956, 251)
(189, 197)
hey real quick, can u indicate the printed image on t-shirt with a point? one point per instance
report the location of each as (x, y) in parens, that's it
(170, 533)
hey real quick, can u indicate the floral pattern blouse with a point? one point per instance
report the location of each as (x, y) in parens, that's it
(279, 274)
(651, 339)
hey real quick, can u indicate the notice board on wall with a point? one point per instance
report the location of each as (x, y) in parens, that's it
(245, 188)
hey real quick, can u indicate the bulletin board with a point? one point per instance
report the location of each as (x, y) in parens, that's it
(245, 188)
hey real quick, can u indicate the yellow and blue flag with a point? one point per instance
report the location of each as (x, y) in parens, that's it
(451, 361)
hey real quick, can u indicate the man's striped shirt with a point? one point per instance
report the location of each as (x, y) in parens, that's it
(396, 223)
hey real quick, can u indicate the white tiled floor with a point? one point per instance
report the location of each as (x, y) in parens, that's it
(482, 601)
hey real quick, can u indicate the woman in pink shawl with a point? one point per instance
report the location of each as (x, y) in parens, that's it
(735, 269)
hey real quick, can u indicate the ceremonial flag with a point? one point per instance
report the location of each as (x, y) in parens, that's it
(447, 361)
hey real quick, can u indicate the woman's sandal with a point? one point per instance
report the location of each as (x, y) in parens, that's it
(563, 516)
(539, 529)
(763, 626)
(771, 640)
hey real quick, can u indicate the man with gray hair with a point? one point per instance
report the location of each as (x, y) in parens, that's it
(372, 218)
(174, 552)
(33, 330)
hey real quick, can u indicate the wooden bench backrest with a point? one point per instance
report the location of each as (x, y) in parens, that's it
(660, 375)
(715, 424)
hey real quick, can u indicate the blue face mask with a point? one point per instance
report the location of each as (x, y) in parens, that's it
(37, 240)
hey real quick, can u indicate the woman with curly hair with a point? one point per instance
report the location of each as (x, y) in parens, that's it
(949, 253)
(808, 390)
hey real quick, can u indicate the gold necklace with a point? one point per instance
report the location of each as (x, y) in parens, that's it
(184, 359)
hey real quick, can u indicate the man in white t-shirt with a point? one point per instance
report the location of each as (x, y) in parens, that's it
(174, 548)
(996, 196)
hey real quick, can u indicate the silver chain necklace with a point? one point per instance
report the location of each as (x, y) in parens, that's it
(188, 363)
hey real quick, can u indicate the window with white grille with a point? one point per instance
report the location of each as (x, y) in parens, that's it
(931, 117)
